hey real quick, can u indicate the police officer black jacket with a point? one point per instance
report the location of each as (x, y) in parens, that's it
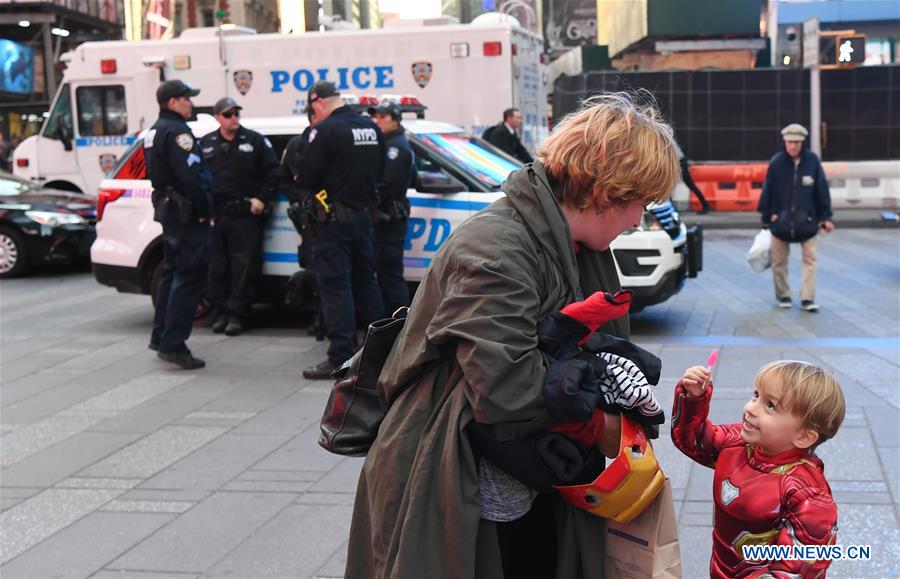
(173, 159)
(346, 158)
(245, 167)
(291, 161)
(399, 169)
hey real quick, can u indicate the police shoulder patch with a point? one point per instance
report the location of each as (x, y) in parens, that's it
(185, 141)
(392, 153)
(148, 138)
(312, 136)
(267, 142)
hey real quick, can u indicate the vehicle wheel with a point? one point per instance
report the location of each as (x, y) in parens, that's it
(13, 253)
(154, 282)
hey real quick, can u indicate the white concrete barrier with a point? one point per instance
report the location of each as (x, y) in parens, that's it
(864, 184)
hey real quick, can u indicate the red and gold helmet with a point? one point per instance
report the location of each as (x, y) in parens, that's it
(629, 484)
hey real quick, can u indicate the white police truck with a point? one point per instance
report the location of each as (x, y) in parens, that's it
(458, 175)
(107, 93)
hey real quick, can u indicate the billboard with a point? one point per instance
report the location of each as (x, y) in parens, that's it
(16, 67)
(569, 23)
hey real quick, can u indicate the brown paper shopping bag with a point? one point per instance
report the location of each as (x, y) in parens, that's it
(647, 547)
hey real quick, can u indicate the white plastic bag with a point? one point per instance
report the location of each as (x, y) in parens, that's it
(758, 257)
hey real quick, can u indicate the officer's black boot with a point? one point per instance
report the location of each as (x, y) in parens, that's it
(221, 322)
(235, 326)
(321, 371)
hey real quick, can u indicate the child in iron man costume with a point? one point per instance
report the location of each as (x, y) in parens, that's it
(769, 486)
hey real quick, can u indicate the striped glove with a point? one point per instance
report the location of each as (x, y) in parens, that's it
(625, 388)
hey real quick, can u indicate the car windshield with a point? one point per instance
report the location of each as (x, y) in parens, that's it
(486, 164)
(11, 186)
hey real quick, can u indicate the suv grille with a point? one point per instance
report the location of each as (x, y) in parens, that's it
(668, 218)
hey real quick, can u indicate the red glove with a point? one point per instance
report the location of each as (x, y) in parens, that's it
(588, 433)
(598, 309)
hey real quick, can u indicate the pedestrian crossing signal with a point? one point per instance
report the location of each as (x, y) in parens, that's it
(850, 50)
(842, 50)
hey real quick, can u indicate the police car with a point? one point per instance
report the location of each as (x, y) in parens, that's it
(458, 175)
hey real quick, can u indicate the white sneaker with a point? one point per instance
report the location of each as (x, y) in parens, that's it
(809, 306)
(785, 303)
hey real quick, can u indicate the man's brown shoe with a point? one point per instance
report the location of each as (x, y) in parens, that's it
(321, 371)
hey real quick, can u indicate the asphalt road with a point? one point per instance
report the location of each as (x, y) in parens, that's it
(114, 464)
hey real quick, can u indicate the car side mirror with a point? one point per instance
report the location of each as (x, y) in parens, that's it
(437, 182)
(63, 132)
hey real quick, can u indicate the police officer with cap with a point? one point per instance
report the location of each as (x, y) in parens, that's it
(244, 173)
(341, 169)
(182, 205)
(392, 216)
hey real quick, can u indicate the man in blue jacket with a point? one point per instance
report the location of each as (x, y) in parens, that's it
(795, 204)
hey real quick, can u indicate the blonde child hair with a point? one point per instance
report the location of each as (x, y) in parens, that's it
(810, 393)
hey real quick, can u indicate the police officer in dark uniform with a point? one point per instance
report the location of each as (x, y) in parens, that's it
(182, 205)
(303, 287)
(341, 169)
(289, 182)
(244, 173)
(392, 217)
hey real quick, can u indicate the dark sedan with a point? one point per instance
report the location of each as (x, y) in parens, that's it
(40, 226)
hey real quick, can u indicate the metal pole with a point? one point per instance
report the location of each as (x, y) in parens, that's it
(772, 29)
(815, 111)
(49, 71)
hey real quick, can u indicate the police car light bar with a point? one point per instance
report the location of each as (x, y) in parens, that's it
(406, 103)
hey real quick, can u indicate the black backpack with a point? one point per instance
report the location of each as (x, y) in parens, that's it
(488, 132)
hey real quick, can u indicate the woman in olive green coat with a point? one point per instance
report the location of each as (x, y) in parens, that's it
(468, 351)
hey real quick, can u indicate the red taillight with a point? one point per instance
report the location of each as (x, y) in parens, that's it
(369, 100)
(492, 48)
(22, 162)
(105, 197)
(108, 66)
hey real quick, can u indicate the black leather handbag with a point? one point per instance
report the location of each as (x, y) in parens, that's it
(355, 408)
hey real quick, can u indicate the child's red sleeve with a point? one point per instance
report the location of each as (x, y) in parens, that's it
(693, 434)
(809, 518)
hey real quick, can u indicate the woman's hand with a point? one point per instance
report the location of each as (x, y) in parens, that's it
(612, 431)
(695, 380)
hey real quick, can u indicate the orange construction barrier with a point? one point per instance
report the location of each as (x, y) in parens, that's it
(729, 187)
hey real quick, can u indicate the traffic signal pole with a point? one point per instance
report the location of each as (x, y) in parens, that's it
(815, 111)
(811, 61)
